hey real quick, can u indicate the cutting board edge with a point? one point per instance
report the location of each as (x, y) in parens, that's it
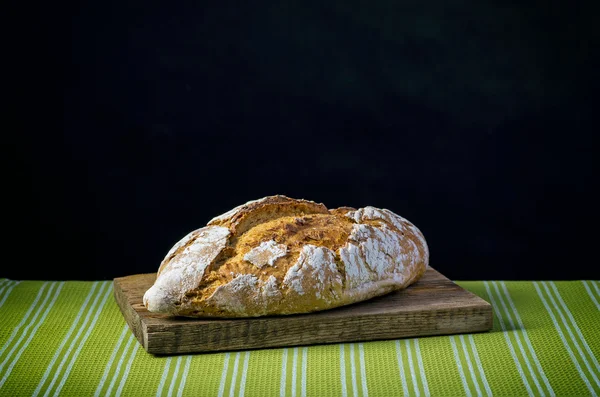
(134, 321)
(146, 331)
(483, 313)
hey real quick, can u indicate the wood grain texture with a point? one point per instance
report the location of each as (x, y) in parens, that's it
(432, 306)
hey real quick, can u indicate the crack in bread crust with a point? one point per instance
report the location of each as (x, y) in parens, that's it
(260, 211)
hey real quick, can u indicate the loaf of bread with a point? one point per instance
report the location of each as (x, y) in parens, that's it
(279, 255)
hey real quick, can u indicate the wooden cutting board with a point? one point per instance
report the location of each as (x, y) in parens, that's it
(432, 306)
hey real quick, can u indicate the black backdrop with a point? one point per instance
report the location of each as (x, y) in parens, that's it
(137, 124)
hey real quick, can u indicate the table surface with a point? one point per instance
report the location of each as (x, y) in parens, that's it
(69, 338)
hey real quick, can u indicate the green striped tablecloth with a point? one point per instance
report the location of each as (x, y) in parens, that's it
(69, 338)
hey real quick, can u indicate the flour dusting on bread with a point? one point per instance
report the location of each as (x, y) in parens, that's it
(315, 270)
(184, 266)
(266, 253)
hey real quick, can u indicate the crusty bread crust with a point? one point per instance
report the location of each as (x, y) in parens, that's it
(279, 255)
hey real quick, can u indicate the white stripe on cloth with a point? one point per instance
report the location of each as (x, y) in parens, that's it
(304, 369)
(111, 361)
(585, 284)
(224, 375)
(234, 375)
(564, 339)
(294, 371)
(571, 325)
(479, 366)
(9, 287)
(363, 370)
(353, 371)
(175, 376)
(67, 337)
(33, 332)
(186, 369)
(411, 367)
(127, 369)
(294, 381)
(244, 375)
(343, 370)
(518, 337)
(578, 332)
(527, 340)
(25, 319)
(508, 341)
(461, 371)
(81, 343)
(163, 377)
(117, 373)
(283, 380)
(421, 367)
(470, 364)
(4, 284)
(596, 286)
(401, 369)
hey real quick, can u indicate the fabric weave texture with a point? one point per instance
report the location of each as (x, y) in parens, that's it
(69, 338)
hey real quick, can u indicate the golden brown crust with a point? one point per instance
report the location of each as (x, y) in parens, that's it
(341, 211)
(284, 256)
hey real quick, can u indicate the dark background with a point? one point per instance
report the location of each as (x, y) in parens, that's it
(137, 124)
